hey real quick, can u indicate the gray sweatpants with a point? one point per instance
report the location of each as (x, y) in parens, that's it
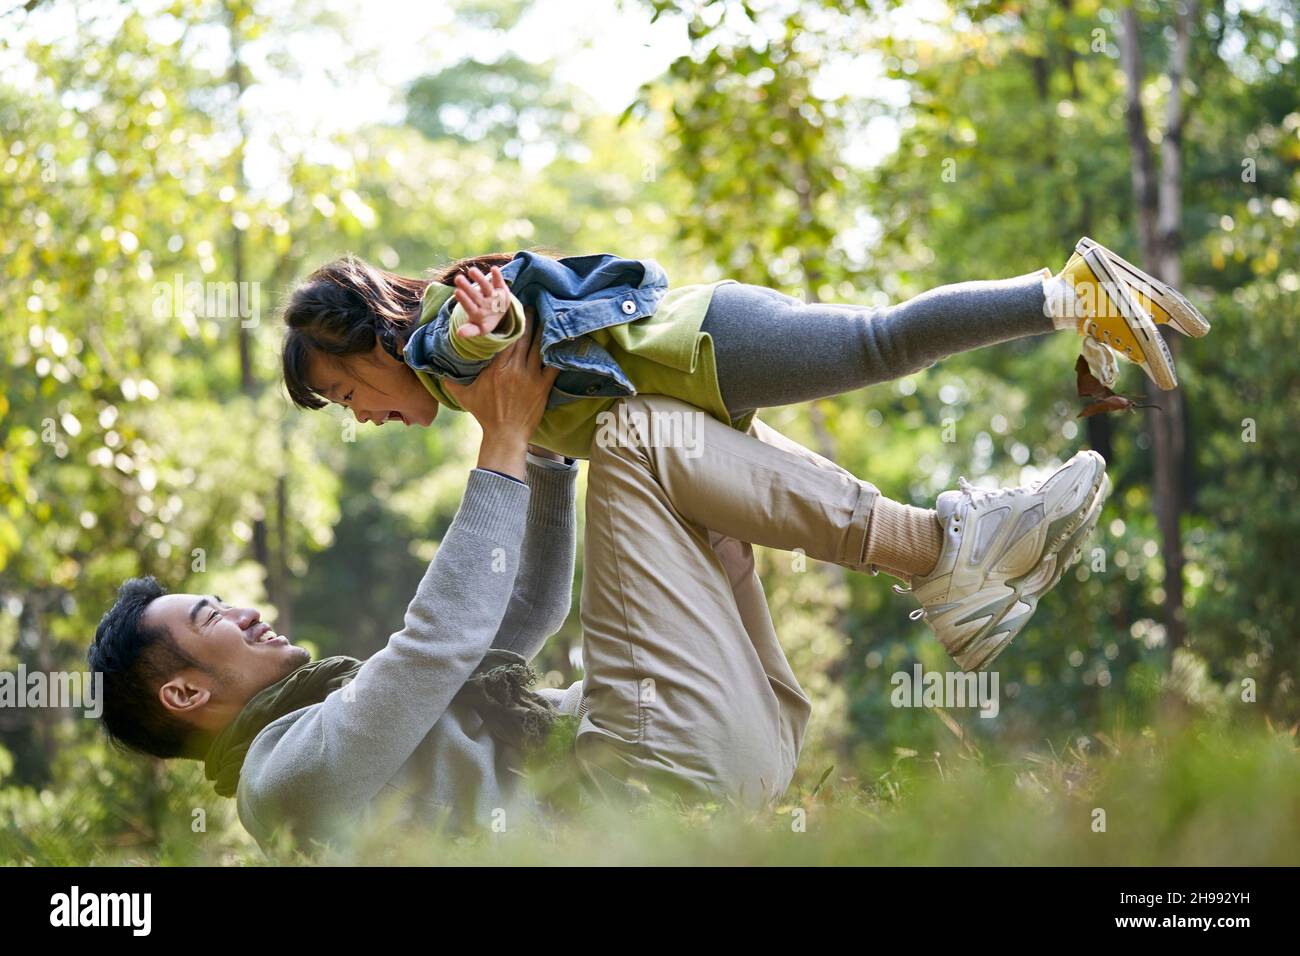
(773, 349)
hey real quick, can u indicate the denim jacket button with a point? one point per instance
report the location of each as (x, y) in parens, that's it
(629, 306)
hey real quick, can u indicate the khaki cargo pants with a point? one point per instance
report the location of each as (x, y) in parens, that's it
(686, 686)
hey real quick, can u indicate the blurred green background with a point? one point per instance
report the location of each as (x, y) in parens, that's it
(849, 152)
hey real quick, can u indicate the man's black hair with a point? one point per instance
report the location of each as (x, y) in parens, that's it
(136, 660)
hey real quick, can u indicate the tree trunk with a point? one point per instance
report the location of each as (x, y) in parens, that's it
(274, 566)
(1141, 165)
(1159, 220)
(1070, 58)
(280, 565)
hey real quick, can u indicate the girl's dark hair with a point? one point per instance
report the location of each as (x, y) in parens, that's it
(346, 306)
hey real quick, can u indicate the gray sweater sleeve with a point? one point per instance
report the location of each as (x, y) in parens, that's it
(341, 753)
(543, 590)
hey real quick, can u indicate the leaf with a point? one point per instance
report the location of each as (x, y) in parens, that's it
(822, 779)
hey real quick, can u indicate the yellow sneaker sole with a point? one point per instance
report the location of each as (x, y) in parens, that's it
(1165, 303)
(1116, 317)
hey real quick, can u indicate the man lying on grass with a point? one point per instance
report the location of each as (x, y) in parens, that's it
(441, 715)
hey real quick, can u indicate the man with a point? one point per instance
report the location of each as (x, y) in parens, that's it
(685, 680)
(182, 671)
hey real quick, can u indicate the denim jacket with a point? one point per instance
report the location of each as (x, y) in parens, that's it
(570, 297)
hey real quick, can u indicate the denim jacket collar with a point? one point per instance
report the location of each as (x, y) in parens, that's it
(570, 297)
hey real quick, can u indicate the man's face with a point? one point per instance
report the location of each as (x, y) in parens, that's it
(239, 655)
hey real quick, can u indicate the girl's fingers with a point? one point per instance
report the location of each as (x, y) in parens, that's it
(500, 291)
(482, 281)
(467, 299)
(480, 297)
(472, 293)
(472, 311)
(494, 301)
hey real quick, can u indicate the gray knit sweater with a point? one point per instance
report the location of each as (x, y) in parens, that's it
(392, 742)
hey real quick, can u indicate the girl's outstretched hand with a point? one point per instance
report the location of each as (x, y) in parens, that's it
(484, 300)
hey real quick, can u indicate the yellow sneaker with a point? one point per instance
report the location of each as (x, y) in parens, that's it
(1166, 304)
(1109, 311)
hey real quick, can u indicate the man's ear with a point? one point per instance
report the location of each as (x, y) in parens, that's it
(180, 696)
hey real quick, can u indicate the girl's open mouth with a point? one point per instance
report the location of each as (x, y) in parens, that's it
(396, 417)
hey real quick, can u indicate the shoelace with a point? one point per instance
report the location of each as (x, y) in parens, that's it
(915, 615)
(981, 496)
(978, 496)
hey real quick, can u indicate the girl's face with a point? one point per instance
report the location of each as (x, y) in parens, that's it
(377, 387)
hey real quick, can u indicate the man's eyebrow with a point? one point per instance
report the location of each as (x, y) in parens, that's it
(199, 605)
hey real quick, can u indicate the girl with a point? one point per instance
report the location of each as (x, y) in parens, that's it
(614, 328)
(393, 348)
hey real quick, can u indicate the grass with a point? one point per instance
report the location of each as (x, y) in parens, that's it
(1192, 793)
(1200, 795)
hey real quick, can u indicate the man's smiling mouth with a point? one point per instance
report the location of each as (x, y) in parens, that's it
(261, 633)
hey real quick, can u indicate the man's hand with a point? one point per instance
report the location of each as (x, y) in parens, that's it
(485, 302)
(508, 399)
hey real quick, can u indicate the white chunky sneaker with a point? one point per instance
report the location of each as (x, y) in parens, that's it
(1002, 551)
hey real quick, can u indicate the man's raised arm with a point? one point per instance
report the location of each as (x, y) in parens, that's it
(544, 587)
(342, 753)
